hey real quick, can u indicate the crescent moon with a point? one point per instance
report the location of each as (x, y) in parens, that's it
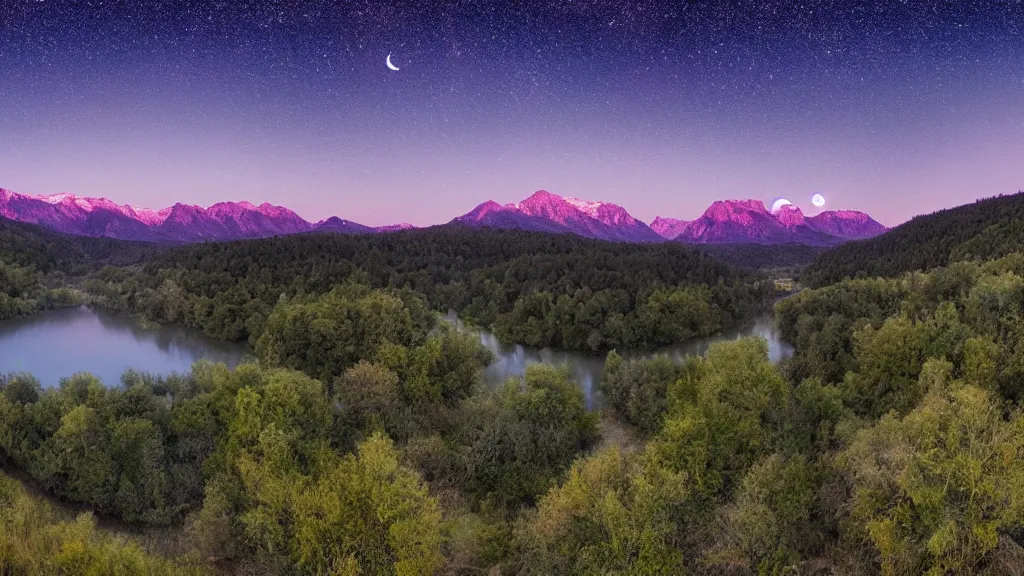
(390, 65)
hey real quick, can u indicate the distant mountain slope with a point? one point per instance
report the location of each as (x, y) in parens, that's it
(669, 228)
(724, 222)
(749, 222)
(988, 228)
(335, 224)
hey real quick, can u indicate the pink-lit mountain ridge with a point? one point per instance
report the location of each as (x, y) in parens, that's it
(179, 223)
(730, 221)
(547, 212)
(748, 221)
(724, 222)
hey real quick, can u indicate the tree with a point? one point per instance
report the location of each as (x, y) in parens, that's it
(325, 336)
(769, 519)
(638, 389)
(613, 515)
(540, 426)
(933, 490)
(368, 515)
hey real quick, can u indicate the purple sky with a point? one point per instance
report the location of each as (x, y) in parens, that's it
(658, 107)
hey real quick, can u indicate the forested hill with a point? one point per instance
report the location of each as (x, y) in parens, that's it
(986, 229)
(533, 288)
(29, 245)
(35, 264)
(761, 256)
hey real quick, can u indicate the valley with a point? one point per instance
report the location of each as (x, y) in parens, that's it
(568, 373)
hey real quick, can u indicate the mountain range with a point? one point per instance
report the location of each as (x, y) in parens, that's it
(724, 222)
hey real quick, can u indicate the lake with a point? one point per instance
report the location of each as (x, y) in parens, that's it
(512, 359)
(58, 343)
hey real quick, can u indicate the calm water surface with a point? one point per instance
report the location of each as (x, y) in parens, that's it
(512, 359)
(57, 344)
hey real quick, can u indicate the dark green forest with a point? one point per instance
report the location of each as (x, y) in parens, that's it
(361, 440)
(773, 257)
(986, 229)
(539, 289)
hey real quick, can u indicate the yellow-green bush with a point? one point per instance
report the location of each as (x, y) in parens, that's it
(36, 539)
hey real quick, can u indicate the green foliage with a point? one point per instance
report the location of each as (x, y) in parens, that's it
(933, 491)
(326, 335)
(613, 515)
(890, 443)
(769, 519)
(762, 256)
(111, 449)
(36, 539)
(538, 427)
(889, 363)
(37, 247)
(638, 388)
(370, 513)
(728, 415)
(286, 497)
(35, 264)
(23, 292)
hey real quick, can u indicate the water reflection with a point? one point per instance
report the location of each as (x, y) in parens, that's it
(57, 344)
(512, 359)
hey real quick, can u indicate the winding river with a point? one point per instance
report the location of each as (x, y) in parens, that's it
(59, 343)
(56, 344)
(512, 359)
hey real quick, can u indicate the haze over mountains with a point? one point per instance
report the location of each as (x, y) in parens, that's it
(724, 222)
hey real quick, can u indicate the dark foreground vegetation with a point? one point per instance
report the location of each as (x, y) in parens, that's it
(891, 443)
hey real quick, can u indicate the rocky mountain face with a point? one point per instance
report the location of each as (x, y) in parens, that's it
(547, 212)
(848, 224)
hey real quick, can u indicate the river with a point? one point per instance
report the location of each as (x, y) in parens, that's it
(512, 359)
(57, 344)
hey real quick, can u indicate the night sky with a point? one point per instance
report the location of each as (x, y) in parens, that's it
(894, 108)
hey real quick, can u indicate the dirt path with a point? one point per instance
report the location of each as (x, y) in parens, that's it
(615, 432)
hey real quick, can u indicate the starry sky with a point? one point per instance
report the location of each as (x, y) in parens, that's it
(894, 108)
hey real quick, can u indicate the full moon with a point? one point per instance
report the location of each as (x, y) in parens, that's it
(779, 204)
(390, 65)
(818, 200)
